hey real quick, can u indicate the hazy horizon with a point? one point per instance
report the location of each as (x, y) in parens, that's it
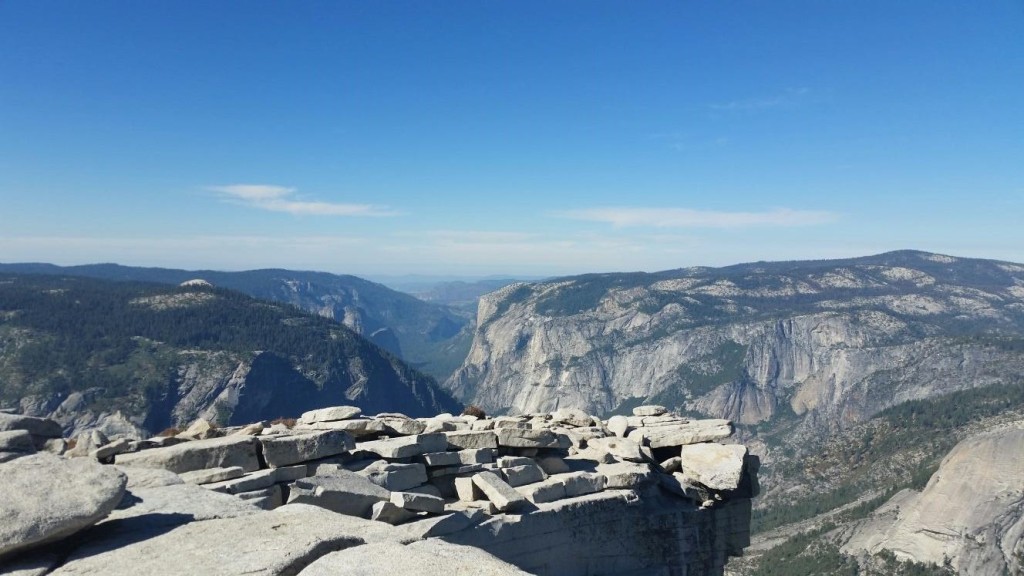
(404, 282)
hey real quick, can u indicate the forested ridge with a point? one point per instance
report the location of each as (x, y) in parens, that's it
(59, 335)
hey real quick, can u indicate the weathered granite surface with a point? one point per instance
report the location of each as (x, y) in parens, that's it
(616, 532)
(423, 558)
(198, 455)
(44, 498)
(282, 541)
(539, 493)
(969, 515)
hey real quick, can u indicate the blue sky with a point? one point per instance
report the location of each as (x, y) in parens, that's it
(508, 137)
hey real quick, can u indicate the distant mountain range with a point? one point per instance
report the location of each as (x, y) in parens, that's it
(432, 337)
(849, 378)
(134, 358)
(834, 340)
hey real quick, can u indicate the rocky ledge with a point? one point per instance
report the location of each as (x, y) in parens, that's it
(334, 492)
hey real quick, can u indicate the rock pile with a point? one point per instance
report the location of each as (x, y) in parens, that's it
(447, 476)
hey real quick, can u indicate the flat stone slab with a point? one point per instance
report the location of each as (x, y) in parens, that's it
(254, 429)
(212, 475)
(470, 439)
(88, 441)
(547, 491)
(433, 526)
(145, 511)
(418, 502)
(159, 441)
(525, 474)
(263, 544)
(259, 480)
(467, 491)
(391, 514)
(394, 476)
(358, 427)
(553, 465)
(45, 498)
(617, 448)
(650, 410)
(148, 477)
(198, 455)
(343, 492)
(692, 432)
(459, 458)
(406, 446)
(573, 417)
(717, 466)
(504, 497)
(622, 425)
(529, 438)
(265, 499)
(330, 414)
(580, 483)
(287, 450)
(510, 422)
(428, 489)
(481, 505)
(40, 428)
(625, 474)
(401, 424)
(510, 461)
(119, 446)
(459, 470)
(430, 557)
(200, 430)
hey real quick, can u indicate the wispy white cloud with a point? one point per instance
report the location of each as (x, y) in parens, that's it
(282, 199)
(622, 217)
(787, 98)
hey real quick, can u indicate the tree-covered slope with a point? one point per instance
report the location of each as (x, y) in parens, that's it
(432, 337)
(83, 350)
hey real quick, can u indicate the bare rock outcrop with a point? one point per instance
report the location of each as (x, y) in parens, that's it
(833, 342)
(47, 498)
(278, 542)
(541, 493)
(969, 516)
(422, 558)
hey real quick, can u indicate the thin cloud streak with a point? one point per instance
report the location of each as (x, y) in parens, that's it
(280, 199)
(622, 217)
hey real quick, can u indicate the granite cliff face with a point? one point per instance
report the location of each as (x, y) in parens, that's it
(832, 342)
(850, 379)
(969, 517)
